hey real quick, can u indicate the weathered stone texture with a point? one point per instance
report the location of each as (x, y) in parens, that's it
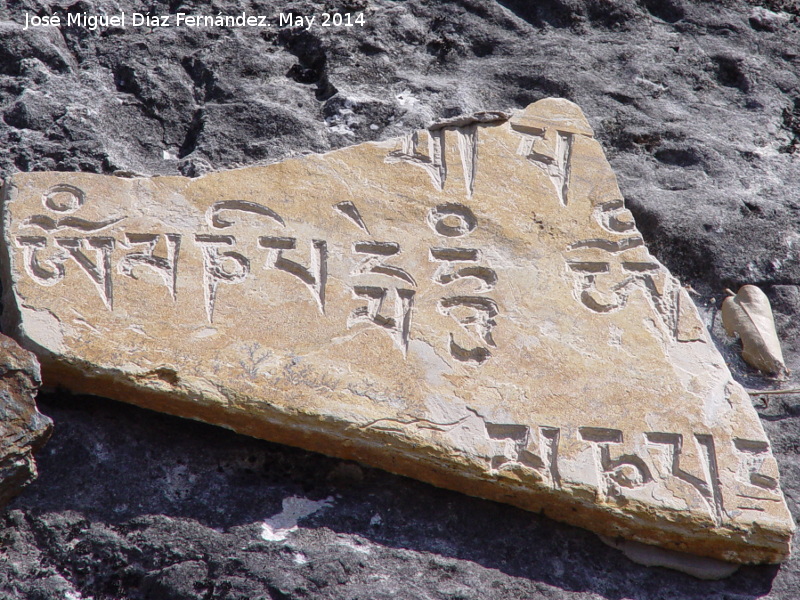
(471, 305)
(696, 104)
(23, 429)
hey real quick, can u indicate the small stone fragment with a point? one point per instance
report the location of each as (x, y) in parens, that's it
(23, 429)
(470, 305)
(749, 314)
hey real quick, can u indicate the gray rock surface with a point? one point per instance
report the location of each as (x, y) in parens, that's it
(698, 107)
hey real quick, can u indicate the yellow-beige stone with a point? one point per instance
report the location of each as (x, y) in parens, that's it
(470, 305)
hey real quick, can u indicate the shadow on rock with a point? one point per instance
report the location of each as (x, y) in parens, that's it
(136, 504)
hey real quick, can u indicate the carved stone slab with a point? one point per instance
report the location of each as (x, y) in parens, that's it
(471, 305)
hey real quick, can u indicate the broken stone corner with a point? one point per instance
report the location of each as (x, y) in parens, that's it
(23, 429)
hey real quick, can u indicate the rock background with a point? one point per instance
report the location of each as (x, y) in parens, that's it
(698, 107)
(23, 430)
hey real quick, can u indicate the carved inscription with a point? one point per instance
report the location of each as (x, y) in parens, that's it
(618, 471)
(607, 272)
(166, 267)
(435, 163)
(512, 337)
(669, 458)
(476, 314)
(387, 307)
(606, 286)
(374, 261)
(314, 276)
(349, 210)
(523, 446)
(696, 465)
(45, 257)
(220, 267)
(627, 470)
(398, 324)
(550, 150)
(622, 468)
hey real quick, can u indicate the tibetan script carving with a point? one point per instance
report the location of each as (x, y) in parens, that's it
(471, 305)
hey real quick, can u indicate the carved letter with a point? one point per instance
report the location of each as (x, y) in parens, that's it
(398, 326)
(373, 264)
(627, 471)
(696, 459)
(34, 267)
(757, 475)
(215, 220)
(435, 166)
(468, 149)
(99, 273)
(518, 445)
(63, 198)
(452, 220)
(49, 224)
(605, 286)
(447, 273)
(219, 267)
(314, 277)
(753, 454)
(349, 210)
(551, 151)
(476, 315)
(614, 217)
(166, 267)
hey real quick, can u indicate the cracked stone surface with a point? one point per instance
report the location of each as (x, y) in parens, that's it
(470, 305)
(696, 106)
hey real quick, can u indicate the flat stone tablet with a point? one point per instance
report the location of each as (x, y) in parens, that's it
(471, 305)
